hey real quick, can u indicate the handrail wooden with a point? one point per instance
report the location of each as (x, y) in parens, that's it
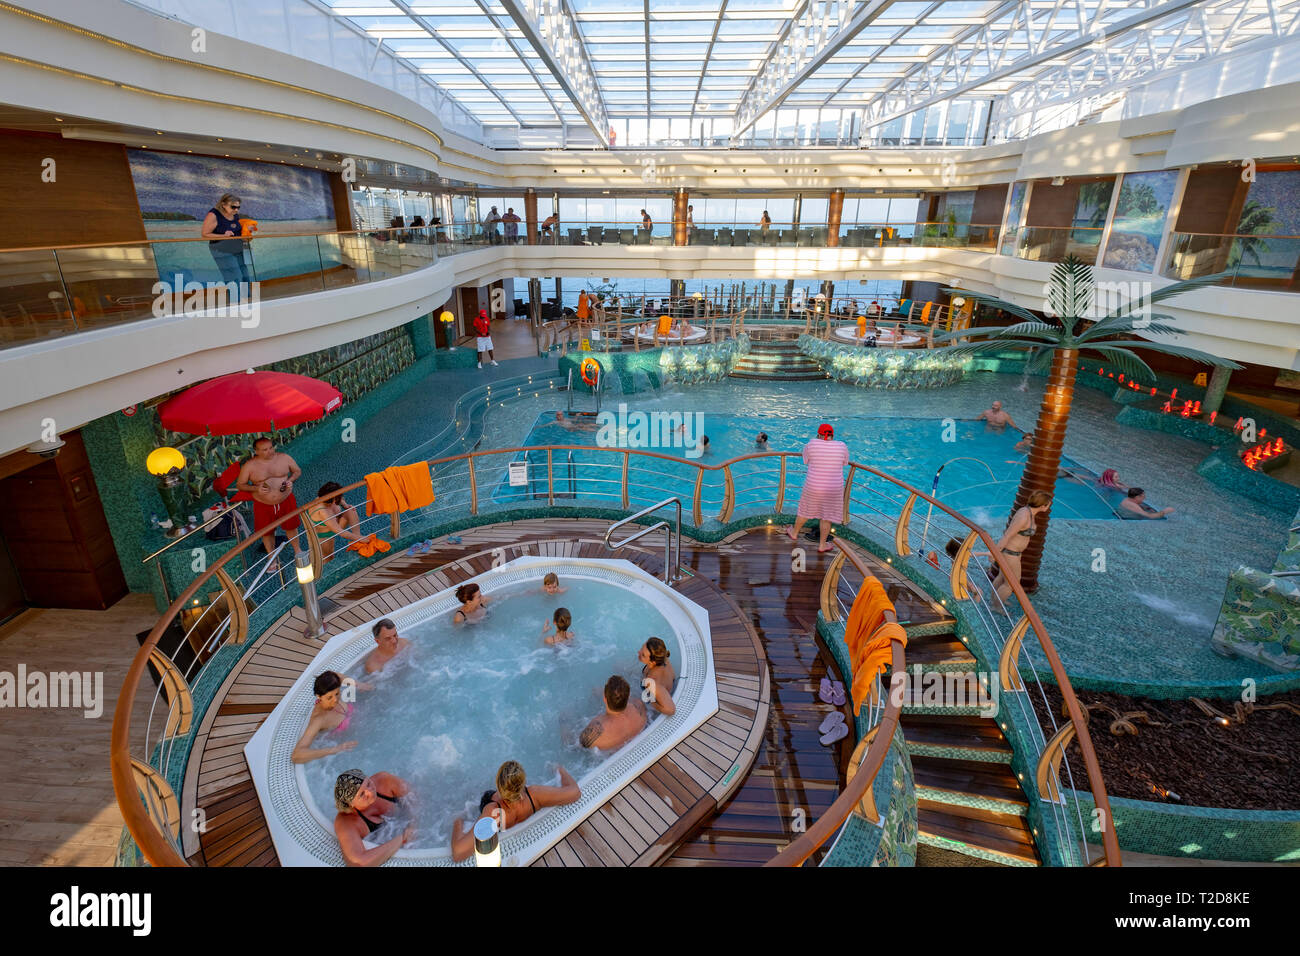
(158, 852)
(851, 796)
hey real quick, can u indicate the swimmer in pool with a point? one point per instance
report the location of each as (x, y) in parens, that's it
(387, 645)
(624, 718)
(512, 802)
(563, 621)
(577, 423)
(473, 604)
(657, 676)
(329, 715)
(996, 417)
(362, 803)
(1110, 479)
(1134, 506)
(551, 584)
(761, 441)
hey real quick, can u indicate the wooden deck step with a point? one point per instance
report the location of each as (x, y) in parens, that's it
(969, 783)
(939, 652)
(1002, 837)
(959, 737)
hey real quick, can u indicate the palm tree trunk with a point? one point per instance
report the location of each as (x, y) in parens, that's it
(1045, 455)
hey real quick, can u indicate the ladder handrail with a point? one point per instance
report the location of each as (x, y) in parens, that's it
(672, 542)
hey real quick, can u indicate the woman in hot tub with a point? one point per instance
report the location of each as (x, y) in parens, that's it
(512, 802)
(657, 676)
(473, 604)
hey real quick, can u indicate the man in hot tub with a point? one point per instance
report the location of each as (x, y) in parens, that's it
(620, 722)
(387, 645)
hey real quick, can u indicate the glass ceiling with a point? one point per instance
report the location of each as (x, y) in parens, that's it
(733, 61)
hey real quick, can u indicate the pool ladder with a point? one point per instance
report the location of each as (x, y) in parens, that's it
(534, 479)
(596, 389)
(672, 539)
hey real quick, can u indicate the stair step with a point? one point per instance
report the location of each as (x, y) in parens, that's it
(1001, 837)
(939, 652)
(955, 737)
(954, 692)
(800, 377)
(970, 783)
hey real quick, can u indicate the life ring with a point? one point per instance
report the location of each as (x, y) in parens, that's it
(589, 365)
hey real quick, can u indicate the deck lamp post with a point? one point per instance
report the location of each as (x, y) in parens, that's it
(487, 843)
(307, 581)
(166, 465)
(447, 319)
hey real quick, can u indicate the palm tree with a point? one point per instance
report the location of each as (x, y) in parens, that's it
(1059, 340)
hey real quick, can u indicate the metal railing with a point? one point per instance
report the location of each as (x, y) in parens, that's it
(672, 539)
(629, 485)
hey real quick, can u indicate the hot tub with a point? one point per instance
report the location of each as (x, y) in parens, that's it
(696, 334)
(463, 699)
(884, 337)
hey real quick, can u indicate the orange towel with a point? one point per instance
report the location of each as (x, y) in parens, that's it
(399, 488)
(365, 547)
(665, 324)
(867, 614)
(876, 655)
(584, 308)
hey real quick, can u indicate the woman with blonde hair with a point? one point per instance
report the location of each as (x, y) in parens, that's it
(222, 229)
(512, 802)
(1015, 539)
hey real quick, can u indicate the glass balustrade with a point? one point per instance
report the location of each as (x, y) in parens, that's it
(1056, 243)
(1268, 262)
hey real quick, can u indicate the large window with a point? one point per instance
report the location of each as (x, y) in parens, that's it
(1139, 222)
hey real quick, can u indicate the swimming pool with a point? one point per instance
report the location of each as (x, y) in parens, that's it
(978, 466)
(447, 712)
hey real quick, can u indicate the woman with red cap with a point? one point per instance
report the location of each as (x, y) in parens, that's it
(823, 488)
(483, 329)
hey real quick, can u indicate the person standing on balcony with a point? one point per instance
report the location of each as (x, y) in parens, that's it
(512, 226)
(551, 222)
(647, 223)
(823, 488)
(490, 223)
(765, 223)
(221, 228)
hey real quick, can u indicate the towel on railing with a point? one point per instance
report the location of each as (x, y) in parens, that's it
(399, 488)
(867, 614)
(875, 657)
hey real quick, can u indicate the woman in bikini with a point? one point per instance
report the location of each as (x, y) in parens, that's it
(473, 604)
(333, 518)
(363, 802)
(1016, 538)
(329, 715)
(512, 802)
(658, 675)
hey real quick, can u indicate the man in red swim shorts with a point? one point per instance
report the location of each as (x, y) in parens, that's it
(269, 476)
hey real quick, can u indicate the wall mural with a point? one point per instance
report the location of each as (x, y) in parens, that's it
(1272, 210)
(353, 368)
(1140, 213)
(176, 191)
(1013, 219)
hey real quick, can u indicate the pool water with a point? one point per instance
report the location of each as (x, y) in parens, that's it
(978, 465)
(462, 699)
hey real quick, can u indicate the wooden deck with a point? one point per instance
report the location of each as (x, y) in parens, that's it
(638, 826)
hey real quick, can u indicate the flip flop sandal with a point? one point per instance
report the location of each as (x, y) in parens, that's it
(825, 691)
(836, 733)
(833, 718)
(837, 693)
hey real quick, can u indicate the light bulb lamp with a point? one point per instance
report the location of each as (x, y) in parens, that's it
(310, 603)
(487, 843)
(447, 319)
(166, 464)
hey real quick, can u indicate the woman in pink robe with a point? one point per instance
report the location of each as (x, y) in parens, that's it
(823, 488)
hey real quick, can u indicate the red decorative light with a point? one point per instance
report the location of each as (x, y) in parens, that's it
(1213, 415)
(1153, 389)
(1263, 432)
(1121, 377)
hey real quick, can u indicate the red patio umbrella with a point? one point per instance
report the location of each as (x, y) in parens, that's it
(246, 402)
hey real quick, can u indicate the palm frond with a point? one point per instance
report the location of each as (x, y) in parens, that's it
(1126, 362)
(1070, 291)
(993, 345)
(1181, 351)
(998, 333)
(1045, 329)
(1125, 325)
(1040, 360)
(1167, 292)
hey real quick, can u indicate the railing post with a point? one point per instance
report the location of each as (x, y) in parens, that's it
(695, 504)
(830, 587)
(235, 603)
(1008, 672)
(395, 525)
(550, 480)
(780, 488)
(473, 487)
(867, 805)
(627, 455)
(901, 547)
(1047, 775)
(728, 495)
(848, 491)
(957, 577)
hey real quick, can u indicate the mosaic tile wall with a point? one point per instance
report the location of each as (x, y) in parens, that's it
(652, 368)
(885, 368)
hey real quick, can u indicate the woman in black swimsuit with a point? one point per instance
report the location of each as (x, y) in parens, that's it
(1015, 539)
(363, 802)
(512, 802)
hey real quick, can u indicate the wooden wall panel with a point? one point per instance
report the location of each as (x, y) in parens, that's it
(1213, 201)
(92, 198)
(990, 201)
